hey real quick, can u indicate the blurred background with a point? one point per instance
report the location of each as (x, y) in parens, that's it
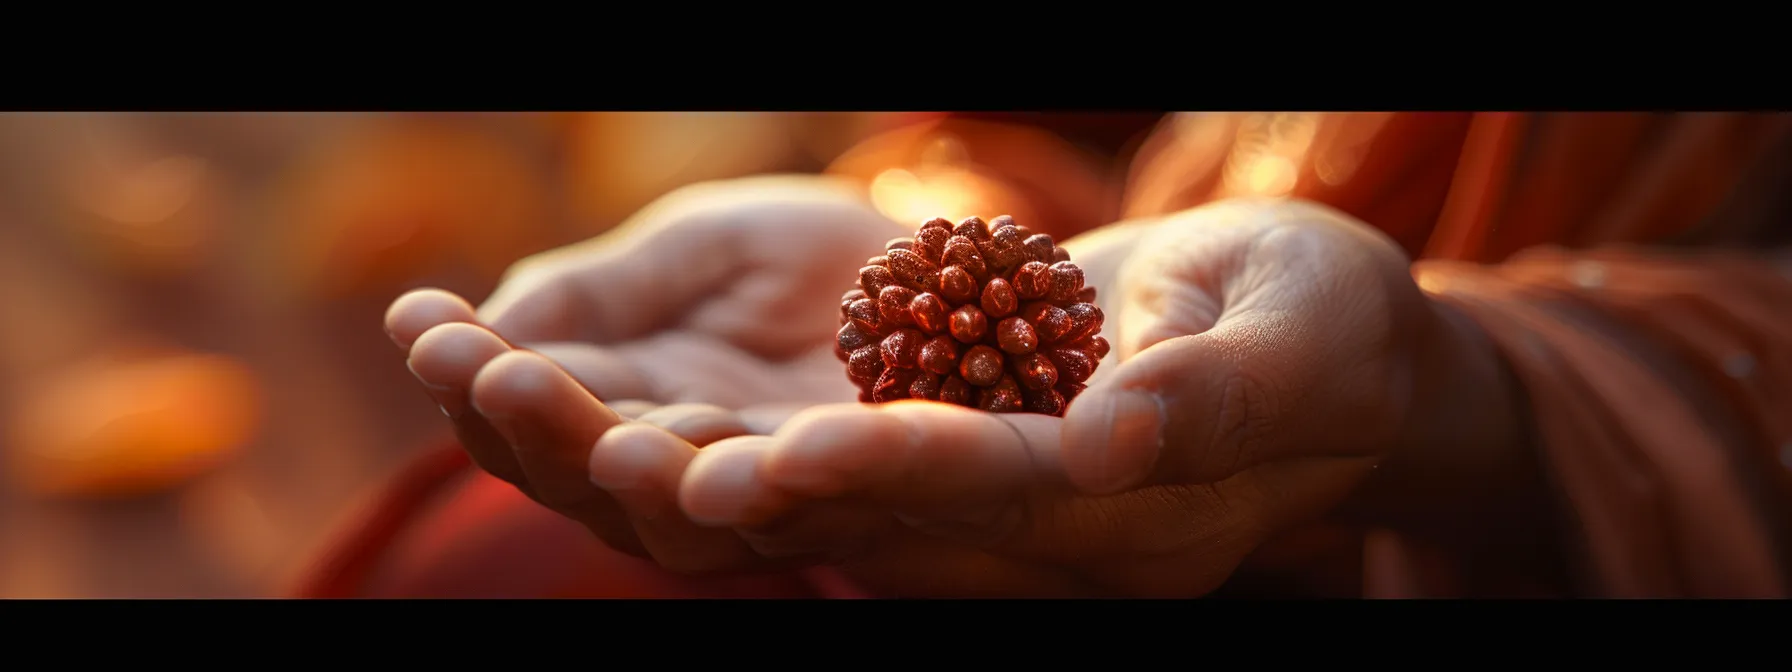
(195, 389)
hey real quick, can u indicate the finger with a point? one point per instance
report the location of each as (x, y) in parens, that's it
(593, 291)
(446, 359)
(764, 420)
(641, 466)
(684, 367)
(722, 487)
(606, 372)
(937, 465)
(551, 424)
(421, 310)
(630, 408)
(698, 424)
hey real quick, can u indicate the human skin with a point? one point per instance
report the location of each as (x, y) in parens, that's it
(1269, 356)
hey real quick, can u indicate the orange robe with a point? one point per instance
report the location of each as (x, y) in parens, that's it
(1631, 268)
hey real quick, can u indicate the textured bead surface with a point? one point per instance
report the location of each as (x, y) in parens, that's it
(983, 314)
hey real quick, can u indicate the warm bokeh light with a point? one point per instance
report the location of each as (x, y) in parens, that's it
(394, 200)
(954, 194)
(156, 217)
(132, 425)
(1269, 152)
(994, 168)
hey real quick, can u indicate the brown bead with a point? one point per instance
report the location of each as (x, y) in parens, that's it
(865, 364)
(957, 285)
(892, 385)
(926, 386)
(851, 337)
(1098, 346)
(1067, 280)
(1070, 391)
(1035, 372)
(972, 228)
(864, 313)
(1006, 249)
(928, 311)
(892, 306)
(846, 302)
(1085, 321)
(955, 391)
(931, 244)
(1073, 365)
(1003, 397)
(961, 252)
(940, 355)
(1039, 248)
(913, 271)
(999, 300)
(902, 349)
(981, 366)
(874, 279)
(1044, 402)
(1050, 321)
(1016, 336)
(968, 324)
(1032, 281)
(988, 315)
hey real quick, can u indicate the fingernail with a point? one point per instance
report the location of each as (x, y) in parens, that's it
(1134, 434)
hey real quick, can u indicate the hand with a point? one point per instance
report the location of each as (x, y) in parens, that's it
(717, 295)
(1270, 356)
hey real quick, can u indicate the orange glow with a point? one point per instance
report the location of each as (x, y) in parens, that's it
(153, 217)
(1269, 176)
(1350, 143)
(931, 169)
(917, 196)
(619, 162)
(134, 427)
(398, 202)
(1269, 152)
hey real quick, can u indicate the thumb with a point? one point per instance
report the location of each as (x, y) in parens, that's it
(1195, 408)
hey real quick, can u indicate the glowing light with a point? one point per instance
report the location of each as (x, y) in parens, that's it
(1269, 176)
(904, 196)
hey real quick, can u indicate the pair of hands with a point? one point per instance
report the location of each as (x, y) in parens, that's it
(672, 386)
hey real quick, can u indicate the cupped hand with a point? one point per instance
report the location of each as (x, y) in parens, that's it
(717, 296)
(1267, 358)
